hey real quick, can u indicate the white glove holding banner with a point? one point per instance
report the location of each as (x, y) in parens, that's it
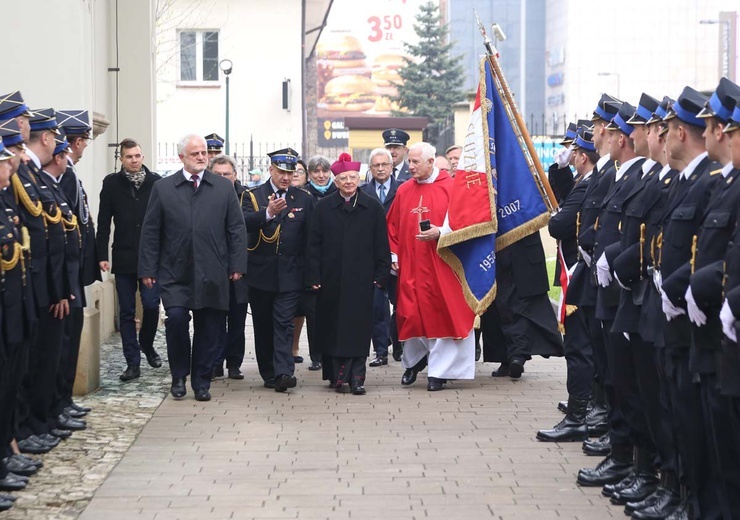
(728, 321)
(696, 315)
(603, 275)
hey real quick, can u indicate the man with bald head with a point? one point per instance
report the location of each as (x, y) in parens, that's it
(193, 241)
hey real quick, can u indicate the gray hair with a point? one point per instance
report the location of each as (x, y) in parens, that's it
(223, 159)
(427, 150)
(318, 161)
(380, 151)
(185, 141)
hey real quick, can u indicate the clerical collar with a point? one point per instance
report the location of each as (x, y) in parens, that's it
(686, 173)
(33, 157)
(189, 176)
(602, 161)
(431, 178)
(726, 169)
(625, 166)
(664, 172)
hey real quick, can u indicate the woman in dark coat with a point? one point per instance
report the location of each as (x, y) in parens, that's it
(347, 256)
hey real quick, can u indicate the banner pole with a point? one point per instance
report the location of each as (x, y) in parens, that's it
(538, 172)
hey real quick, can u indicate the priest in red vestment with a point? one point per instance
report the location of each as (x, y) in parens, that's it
(433, 318)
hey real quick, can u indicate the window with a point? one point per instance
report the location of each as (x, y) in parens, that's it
(198, 56)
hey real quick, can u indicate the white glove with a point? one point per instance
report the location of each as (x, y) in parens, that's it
(562, 158)
(658, 281)
(586, 257)
(626, 335)
(602, 271)
(620, 283)
(670, 310)
(696, 315)
(728, 321)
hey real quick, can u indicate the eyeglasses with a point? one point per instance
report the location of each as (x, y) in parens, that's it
(347, 178)
(380, 165)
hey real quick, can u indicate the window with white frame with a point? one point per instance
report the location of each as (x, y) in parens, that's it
(198, 56)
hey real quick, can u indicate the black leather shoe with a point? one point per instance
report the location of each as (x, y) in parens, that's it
(132, 372)
(657, 506)
(597, 421)
(217, 372)
(5, 504)
(270, 383)
(11, 484)
(516, 368)
(50, 439)
(80, 408)
(152, 358)
(398, 353)
(34, 448)
(8, 498)
(409, 376)
(178, 389)
(202, 394)
(62, 434)
(65, 422)
(282, 383)
(643, 485)
(17, 467)
(680, 513)
(609, 489)
(28, 460)
(379, 361)
(358, 389)
(297, 359)
(235, 373)
(563, 406)
(608, 471)
(434, 384)
(315, 365)
(597, 448)
(501, 371)
(74, 414)
(566, 430)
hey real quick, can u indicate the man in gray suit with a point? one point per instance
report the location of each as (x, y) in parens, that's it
(193, 241)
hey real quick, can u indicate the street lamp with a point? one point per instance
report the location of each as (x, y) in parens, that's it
(611, 74)
(226, 67)
(724, 66)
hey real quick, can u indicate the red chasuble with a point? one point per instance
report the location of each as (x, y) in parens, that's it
(430, 299)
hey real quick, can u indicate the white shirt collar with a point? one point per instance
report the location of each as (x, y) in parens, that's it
(431, 178)
(647, 165)
(664, 172)
(34, 157)
(686, 173)
(54, 179)
(188, 176)
(602, 161)
(726, 169)
(275, 189)
(625, 166)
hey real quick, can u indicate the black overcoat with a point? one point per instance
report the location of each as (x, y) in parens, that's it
(192, 240)
(347, 253)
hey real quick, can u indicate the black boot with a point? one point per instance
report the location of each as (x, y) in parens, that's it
(572, 428)
(645, 480)
(596, 419)
(660, 504)
(683, 510)
(612, 469)
(599, 447)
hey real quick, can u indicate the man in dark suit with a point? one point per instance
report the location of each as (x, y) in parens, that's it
(395, 141)
(277, 216)
(381, 187)
(124, 198)
(193, 242)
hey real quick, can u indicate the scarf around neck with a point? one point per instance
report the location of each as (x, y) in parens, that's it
(136, 178)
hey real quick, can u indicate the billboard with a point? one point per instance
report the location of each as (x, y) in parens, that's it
(358, 57)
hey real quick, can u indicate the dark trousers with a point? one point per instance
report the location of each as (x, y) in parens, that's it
(348, 370)
(68, 360)
(13, 362)
(307, 308)
(579, 356)
(667, 444)
(272, 318)
(39, 384)
(381, 336)
(231, 341)
(393, 299)
(126, 285)
(624, 408)
(206, 325)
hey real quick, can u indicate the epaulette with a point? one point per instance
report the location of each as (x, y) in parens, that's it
(304, 190)
(715, 172)
(250, 190)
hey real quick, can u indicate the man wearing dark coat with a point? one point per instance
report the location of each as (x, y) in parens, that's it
(277, 217)
(193, 241)
(347, 257)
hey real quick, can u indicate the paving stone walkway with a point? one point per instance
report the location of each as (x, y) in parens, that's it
(397, 453)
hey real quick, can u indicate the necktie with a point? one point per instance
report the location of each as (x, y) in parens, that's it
(280, 193)
(395, 172)
(194, 178)
(381, 196)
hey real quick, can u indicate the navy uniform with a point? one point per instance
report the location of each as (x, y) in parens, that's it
(680, 221)
(214, 145)
(395, 137)
(563, 226)
(76, 124)
(275, 271)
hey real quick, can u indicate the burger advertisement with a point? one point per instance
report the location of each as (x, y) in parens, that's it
(358, 58)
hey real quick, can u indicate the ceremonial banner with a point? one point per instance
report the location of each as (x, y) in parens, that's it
(496, 199)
